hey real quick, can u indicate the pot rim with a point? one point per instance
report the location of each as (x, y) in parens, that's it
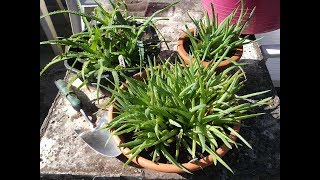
(162, 167)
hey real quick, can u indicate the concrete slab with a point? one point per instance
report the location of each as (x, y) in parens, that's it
(65, 156)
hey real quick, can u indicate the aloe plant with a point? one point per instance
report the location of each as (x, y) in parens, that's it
(112, 42)
(182, 107)
(212, 38)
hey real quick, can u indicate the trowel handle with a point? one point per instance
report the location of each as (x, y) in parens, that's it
(72, 98)
(69, 94)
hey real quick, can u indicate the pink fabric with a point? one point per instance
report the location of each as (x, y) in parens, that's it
(265, 18)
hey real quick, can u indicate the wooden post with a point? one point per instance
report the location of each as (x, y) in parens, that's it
(62, 8)
(48, 27)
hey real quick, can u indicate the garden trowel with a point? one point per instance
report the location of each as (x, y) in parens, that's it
(95, 137)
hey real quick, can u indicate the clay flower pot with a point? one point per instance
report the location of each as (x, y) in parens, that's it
(169, 168)
(182, 44)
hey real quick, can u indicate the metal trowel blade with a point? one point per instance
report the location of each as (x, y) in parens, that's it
(97, 139)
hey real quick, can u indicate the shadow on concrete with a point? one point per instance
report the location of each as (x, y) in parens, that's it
(155, 6)
(84, 177)
(124, 159)
(88, 105)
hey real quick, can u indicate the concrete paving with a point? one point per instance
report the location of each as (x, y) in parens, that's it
(65, 156)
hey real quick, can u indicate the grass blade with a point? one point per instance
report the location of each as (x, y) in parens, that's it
(239, 136)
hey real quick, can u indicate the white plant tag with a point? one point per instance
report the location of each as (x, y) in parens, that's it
(77, 82)
(121, 61)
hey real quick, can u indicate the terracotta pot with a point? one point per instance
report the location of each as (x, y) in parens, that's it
(169, 168)
(186, 58)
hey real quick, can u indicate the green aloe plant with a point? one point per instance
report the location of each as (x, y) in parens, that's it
(182, 107)
(112, 42)
(211, 38)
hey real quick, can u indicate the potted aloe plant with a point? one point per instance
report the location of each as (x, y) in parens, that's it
(112, 42)
(177, 118)
(210, 38)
